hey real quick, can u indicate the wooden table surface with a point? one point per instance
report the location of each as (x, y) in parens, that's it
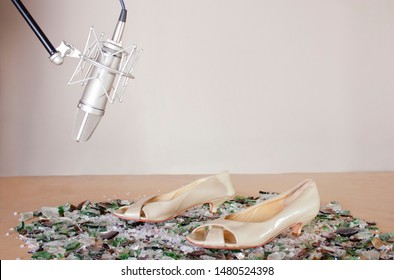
(369, 196)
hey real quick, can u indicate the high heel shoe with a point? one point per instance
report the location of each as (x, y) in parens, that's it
(262, 222)
(214, 190)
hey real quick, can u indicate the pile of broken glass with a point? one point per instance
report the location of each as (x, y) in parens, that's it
(90, 231)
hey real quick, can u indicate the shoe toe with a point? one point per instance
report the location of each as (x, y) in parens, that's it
(214, 236)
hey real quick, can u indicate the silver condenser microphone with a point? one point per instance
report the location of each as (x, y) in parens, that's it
(109, 67)
(103, 72)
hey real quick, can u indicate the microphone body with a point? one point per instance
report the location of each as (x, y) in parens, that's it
(102, 75)
(95, 94)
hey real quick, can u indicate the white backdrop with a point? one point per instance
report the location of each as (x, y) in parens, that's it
(250, 86)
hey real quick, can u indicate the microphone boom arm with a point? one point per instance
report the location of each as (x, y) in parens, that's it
(54, 53)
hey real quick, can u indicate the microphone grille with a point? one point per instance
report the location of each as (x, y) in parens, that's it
(84, 125)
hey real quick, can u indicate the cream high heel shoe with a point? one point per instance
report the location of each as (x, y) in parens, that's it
(213, 190)
(260, 223)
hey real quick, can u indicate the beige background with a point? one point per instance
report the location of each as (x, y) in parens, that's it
(249, 86)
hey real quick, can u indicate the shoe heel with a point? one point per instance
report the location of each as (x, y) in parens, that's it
(297, 228)
(215, 204)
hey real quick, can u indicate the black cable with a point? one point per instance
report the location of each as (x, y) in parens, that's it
(123, 12)
(122, 4)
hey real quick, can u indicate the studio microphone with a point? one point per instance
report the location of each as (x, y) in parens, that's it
(109, 67)
(103, 72)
